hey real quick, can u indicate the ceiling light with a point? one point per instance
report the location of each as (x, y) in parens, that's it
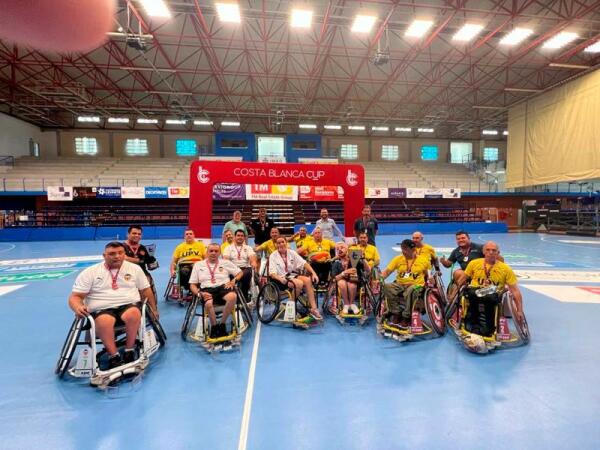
(363, 23)
(505, 133)
(467, 32)
(560, 40)
(488, 107)
(418, 28)
(332, 126)
(380, 128)
(356, 127)
(175, 122)
(144, 120)
(310, 126)
(230, 123)
(514, 89)
(229, 12)
(94, 119)
(118, 120)
(516, 36)
(569, 66)
(594, 48)
(203, 122)
(490, 132)
(403, 129)
(301, 18)
(156, 8)
(425, 130)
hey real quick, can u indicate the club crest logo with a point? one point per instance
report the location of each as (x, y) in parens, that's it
(351, 178)
(203, 175)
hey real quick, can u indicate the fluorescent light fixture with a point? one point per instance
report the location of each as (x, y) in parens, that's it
(356, 127)
(94, 119)
(516, 36)
(560, 40)
(490, 132)
(175, 122)
(147, 121)
(230, 123)
(203, 122)
(301, 18)
(308, 126)
(505, 133)
(488, 107)
(418, 28)
(403, 129)
(514, 89)
(569, 66)
(467, 32)
(594, 48)
(363, 23)
(118, 120)
(380, 128)
(229, 12)
(332, 126)
(156, 8)
(425, 130)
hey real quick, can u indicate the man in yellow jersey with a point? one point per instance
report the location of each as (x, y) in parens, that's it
(185, 255)
(425, 249)
(269, 246)
(302, 239)
(320, 251)
(228, 240)
(489, 277)
(410, 279)
(369, 251)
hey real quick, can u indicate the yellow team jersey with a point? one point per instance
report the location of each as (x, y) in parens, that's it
(370, 254)
(224, 245)
(426, 250)
(324, 246)
(185, 252)
(411, 272)
(268, 247)
(303, 242)
(500, 273)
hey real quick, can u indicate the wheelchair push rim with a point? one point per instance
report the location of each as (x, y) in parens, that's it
(267, 304)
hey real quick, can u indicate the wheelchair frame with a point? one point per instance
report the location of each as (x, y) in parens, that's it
(167, 297)
(281, 311)
(151, 337)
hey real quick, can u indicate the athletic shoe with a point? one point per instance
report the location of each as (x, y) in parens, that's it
(345, 309)
(355, 309)
(214, 331)
(114, 361)
(129, 356)
(316, 314)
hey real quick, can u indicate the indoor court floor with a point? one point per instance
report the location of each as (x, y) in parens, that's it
(331, 387)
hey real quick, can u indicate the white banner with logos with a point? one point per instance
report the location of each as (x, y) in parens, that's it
(132, 192)
(179, 192)
(60, 193)
(415, 193)
(451, 193)
(376, 192)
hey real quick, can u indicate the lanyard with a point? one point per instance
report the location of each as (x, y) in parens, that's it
(284, 257)
(487, 271)
(134, 249)
(239, 252)
(212, 271)
(114, 277)
(466, 254)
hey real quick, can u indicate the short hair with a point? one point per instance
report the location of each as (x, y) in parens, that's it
(239, 231)
(363, 232)
(134, 227)
(188, 229)
(237, 211)
(280, 237)
(407, 243)
(459, 232)
(213, 244)
(114, 244)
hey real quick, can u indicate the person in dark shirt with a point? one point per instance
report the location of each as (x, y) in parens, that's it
(138, 254)
(466, 252)
(261, 227)
(366, 223)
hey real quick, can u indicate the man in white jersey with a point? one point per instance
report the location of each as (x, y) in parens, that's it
(109, 291)
(328, 226)
(285, 266)
(211, 279)
(244, 257)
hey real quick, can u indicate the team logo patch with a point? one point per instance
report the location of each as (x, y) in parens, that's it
(127, 277)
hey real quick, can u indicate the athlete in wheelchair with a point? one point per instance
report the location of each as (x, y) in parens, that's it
(185, 255)
(242, 255)
(371, 255)
(288, 296)
(482, 313)
(412, 304)
(213, 283)
(320, 252)
(121, 330)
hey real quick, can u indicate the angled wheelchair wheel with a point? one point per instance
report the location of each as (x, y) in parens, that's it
(435, 311)
(267, 304)
(520, 322)
(331, 301)
(246, 313)
(68, 349)
(190, 313)
(156, 327)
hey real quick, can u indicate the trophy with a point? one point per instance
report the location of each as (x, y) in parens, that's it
(355, 258)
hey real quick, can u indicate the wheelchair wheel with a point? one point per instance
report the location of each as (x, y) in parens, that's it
(520, 323)
(168, 290)
(435, 311)
(245, 310)
(68, 349)
(156, 327)
(190, 313)
(267, 304)
(330, 301)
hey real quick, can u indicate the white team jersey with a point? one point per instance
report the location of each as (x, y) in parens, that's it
(278, 266)
(240, 256)
(208, 274)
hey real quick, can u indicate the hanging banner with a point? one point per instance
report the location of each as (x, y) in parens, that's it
(376, 192)
(60, 193)
(415, 193)
(229, 191)
(320, 193)
(271, 192)
(433, 193)
(451, 193)
(179, 192)
(156, 192)
(108, 192)
(132, 192)
(318, 160)
(397, 193)
(84, 192)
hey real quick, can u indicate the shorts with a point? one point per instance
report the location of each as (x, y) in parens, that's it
(218, 294)
(116, 312)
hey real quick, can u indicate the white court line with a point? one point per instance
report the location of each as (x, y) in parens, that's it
(249, 392)
(9, 289)
(11, 247)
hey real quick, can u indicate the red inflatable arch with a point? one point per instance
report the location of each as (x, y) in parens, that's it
(205, 174)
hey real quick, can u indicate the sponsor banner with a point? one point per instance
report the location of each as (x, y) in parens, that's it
(272, 159)
(60, 193)
(108, 192)
(8, 289)
(320, 193)
(271, 192)
(415, 193)
(156, 192)
(376, 192)
(318, 160)
(21, 277)
(60, 259)
(229, 191)
(84, 192)
(44, 267)
(397, 193)
(132, 192)
(565, 276)
(567, 294)
(179, 192)
(451, 193)
(433, 193)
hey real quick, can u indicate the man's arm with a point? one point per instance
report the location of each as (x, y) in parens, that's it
(76, 304)
(516, 292)
(253, 262)
(337, 230)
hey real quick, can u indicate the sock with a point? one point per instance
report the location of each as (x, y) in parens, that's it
(130, 349)
(115, 355)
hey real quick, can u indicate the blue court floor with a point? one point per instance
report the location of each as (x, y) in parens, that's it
(328, 388)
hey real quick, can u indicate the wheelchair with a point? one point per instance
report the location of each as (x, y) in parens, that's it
(92, 356)
(241, 320)
(283, 306)
(177, 291)
(427, 314)
(484, 321)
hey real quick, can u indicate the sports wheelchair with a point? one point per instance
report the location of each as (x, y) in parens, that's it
(177, 290)
(484, 320)
(427, 314)
(93, 355)
(283, 306)
(241, 320)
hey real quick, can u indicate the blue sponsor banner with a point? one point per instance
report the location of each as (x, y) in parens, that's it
(108, 192)
(156, 192)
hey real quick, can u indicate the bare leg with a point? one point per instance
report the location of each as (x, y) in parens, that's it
(310, 291)
(229, 305)
(132, 318)
(210, 310)
(343, 286)
(105, 330)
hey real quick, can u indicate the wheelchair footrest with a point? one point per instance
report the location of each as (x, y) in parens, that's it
(105, 378)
